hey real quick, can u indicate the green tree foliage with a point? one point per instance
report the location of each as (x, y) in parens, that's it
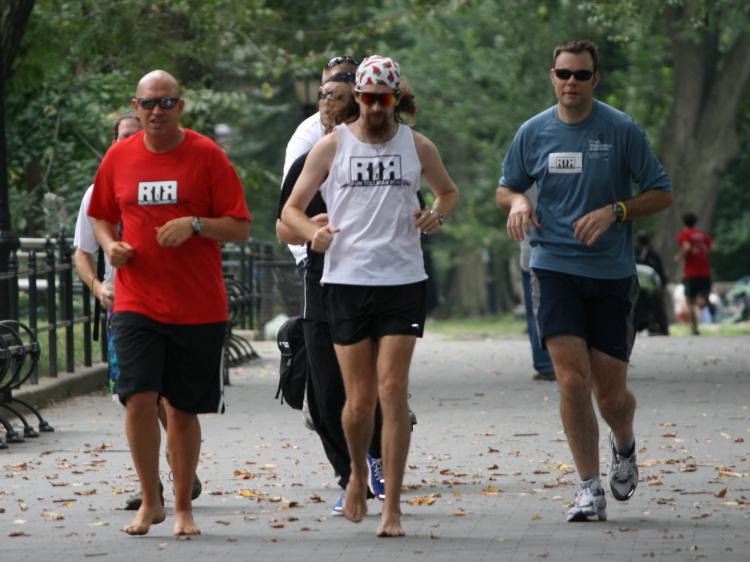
(479, 68)
(237, 59)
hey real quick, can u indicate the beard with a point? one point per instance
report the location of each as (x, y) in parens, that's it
(377, 124)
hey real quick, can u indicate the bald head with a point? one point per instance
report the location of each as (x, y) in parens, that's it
(158, 105)
(158, 79)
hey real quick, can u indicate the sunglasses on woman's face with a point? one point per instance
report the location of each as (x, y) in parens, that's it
(385, 100)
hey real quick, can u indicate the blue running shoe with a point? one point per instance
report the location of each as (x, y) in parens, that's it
(338, 507)
(376, 480)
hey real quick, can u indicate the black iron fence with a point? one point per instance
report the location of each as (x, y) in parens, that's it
(46, 295)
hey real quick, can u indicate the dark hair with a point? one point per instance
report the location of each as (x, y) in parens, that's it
(120, 119)
(689, 219)
(643, 238)
(579, 46)
(341, 77)
(406, 110)
(351, 111)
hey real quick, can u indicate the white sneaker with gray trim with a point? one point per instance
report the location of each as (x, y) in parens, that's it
(590, 502)
(623, 474)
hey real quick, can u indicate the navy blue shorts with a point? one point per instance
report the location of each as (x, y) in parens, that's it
(357, 312)
(598, 310)
(182, 362)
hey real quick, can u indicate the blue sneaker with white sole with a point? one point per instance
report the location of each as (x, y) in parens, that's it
(376, 481)
(338, 507)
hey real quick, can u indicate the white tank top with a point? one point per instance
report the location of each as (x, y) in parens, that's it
(371, 195)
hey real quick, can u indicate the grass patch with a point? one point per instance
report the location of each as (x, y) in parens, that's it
(475, 328)
(739, 329)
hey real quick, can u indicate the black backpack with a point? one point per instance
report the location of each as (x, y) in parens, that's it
(293, 365)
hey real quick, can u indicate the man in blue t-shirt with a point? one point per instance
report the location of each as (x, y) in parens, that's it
(584, 155)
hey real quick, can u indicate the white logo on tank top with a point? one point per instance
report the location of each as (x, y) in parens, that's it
(381, 170)
(157, 192)
(565, 163)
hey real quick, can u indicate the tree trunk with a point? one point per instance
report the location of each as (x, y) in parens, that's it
(13, 17)
(466, 290)
(700, 140)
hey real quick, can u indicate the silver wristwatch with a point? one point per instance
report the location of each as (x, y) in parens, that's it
(197, 225)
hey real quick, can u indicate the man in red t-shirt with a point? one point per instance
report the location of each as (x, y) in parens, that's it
(695, 249)
(177, 196)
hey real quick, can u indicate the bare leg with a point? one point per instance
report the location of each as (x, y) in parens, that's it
(162, 413)
(184, 441)
(616, 401)
(357, 363)
(394, 359)
(142, 429)
(693, 313)
(570, 357)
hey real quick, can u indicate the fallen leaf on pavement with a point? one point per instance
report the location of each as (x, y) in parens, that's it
(536, 517)
(423, 500)
(491, 491)
(721, 493)
(18, 534)
(291, 505)
(52, 516)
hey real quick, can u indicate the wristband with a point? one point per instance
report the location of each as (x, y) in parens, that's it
(621, 211)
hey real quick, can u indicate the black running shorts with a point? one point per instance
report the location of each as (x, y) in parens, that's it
(356, 312)
(598, 310)
(182, 362)
(697, 286)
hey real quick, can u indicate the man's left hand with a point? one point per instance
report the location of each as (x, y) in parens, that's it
(591, 226)
(173, 233)
(427, 221)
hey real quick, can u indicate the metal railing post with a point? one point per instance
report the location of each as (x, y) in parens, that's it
(33, 302)
(51, 311)
(66, 301)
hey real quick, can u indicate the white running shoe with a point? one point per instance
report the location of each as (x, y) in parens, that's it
(623, 474)
(590, 502)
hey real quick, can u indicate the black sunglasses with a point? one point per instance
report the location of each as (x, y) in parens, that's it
(163, 102)
(335, 61)
(580, 75)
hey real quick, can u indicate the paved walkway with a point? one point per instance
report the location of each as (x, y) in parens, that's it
(488, 476)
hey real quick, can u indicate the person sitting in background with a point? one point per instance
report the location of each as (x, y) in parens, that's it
(650, 309)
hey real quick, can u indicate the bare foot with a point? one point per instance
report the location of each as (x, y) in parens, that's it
(184, 524)
(355, 501)
(390, 526)
(144, 519)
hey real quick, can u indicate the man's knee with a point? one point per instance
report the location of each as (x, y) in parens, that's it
(142, 404)
(613, 399)
(392, 391)
(360, 407)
